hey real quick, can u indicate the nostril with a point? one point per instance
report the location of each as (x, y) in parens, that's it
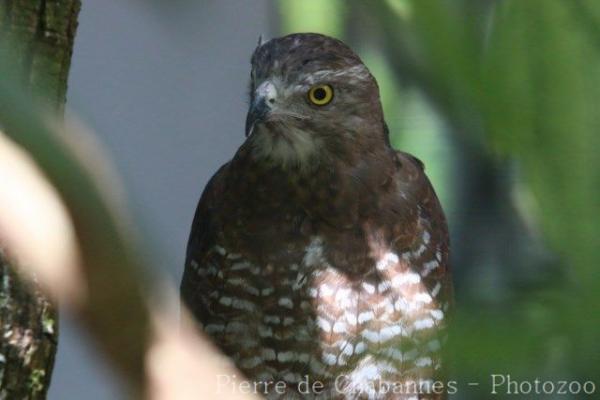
(272, 101)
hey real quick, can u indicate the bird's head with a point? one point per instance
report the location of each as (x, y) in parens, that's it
(311, 97)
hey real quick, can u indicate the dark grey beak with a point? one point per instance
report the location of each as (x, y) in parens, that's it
(257, 113)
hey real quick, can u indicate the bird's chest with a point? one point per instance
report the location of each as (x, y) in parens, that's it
(268, 211)
(297, 296)
(310, 313)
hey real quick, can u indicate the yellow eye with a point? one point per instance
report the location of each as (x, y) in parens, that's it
(320, 95)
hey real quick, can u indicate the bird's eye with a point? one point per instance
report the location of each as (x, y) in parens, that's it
(320, 95)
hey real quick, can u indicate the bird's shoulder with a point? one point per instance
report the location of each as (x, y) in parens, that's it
(410, 170)
(202, 235)
(421, 220)
(428, 232)
(413, 184)
(209, 201)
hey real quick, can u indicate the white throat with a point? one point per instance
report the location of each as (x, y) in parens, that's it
(291, 147)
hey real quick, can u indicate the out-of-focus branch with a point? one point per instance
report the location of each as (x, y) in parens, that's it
(28, 335)
(63, 226)
(106, 288)
(36, 37)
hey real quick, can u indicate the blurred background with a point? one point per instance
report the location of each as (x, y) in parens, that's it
(498, 98)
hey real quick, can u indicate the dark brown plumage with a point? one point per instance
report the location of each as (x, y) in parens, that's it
(318, 250)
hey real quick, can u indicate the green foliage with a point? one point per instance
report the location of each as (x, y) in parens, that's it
(530, 87)
(542, 71)
(36, 380)
(317, 16)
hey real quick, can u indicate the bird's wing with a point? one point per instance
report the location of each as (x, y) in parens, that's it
(203, 236)
(430, 232)
(425, 253)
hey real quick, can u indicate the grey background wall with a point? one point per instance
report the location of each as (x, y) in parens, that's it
(164, 87)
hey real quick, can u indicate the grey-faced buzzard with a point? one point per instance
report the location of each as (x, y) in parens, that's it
(319, 252)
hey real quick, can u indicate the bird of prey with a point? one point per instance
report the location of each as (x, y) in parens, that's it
(318, 256)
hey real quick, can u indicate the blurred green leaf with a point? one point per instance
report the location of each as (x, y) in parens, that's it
(320, 16)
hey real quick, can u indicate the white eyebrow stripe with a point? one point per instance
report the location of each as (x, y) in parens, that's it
(357, 71)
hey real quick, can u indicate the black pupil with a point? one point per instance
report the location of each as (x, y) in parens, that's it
(320, 94)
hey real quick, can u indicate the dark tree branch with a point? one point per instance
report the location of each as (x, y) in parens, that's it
(36, 37)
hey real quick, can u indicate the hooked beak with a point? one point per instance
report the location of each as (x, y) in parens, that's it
(257, 113)
(264, 96)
